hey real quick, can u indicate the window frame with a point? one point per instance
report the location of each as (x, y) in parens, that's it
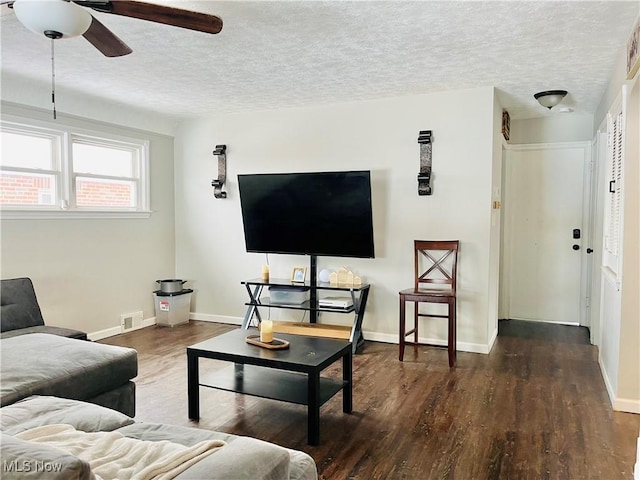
(55, 170)
(66, 204)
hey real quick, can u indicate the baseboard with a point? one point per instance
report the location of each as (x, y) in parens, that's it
(393, 338)
(552, 322)
(368, 335)
(607, 382)
(627, 405)
(111, 332)
(492, 340)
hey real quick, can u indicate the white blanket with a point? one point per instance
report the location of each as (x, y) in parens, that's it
(113, 456)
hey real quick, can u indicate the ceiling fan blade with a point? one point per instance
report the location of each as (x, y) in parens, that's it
(105, 40)
(177, 17)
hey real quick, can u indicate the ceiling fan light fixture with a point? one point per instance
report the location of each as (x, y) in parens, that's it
(40, 16)
(550, 98)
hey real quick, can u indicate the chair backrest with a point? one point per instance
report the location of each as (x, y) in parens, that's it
(18, 305)
(436, 262)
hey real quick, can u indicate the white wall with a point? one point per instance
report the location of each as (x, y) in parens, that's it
(88, 272)
(29, 92)
(377, 135)
(553, 128)
(628, 394)
(618, 78)
(619, 354)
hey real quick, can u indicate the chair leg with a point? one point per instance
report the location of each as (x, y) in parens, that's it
(415, 322)
(452, 333)
(402, 328)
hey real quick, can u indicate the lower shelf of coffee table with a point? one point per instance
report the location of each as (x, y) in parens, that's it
(266, 382)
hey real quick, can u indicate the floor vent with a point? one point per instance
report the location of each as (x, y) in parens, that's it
(130, 321)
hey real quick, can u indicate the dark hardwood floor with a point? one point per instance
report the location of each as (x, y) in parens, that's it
(535, 408)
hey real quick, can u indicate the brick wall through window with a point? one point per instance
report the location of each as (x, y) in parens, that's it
(16, 189)
(96, 193)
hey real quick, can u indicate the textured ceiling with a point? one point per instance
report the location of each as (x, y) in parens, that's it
(289, 54)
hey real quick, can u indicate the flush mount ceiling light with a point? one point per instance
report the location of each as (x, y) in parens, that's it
(550, 98)
(53, 18)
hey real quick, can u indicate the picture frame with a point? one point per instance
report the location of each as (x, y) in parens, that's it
(298, 274)
(506, 124)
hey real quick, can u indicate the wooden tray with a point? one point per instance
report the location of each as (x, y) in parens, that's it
(277, 344)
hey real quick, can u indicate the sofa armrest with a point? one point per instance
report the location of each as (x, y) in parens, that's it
(28, 460)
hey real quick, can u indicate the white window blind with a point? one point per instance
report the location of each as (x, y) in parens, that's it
(613, 218)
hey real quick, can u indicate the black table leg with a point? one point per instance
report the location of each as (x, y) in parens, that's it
(253, 309)
(193, 386)
(313, 409)
(347, 376)
(357, 338)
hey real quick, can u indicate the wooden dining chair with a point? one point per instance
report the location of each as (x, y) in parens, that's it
(435, 265)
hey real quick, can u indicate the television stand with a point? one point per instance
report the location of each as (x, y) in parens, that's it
(353, 333)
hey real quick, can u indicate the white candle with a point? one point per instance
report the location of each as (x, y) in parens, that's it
(266, 331)
(265, 273)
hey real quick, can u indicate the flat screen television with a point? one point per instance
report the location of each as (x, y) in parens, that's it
(319, 213)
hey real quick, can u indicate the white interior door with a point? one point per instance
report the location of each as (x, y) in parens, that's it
(544, 199)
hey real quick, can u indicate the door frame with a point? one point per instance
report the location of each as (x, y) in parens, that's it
(586, 260)
(599, 161)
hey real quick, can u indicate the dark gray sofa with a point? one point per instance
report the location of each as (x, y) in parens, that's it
(241, 458)
(37, 359)
(20, 312)
(44, 364)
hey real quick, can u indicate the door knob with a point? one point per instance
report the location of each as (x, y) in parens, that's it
(576, 246)
(589, 250)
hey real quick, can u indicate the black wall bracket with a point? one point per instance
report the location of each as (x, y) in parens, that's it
(424, 176)
(217, 184)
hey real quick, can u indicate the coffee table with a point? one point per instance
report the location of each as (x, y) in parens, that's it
(291, 375)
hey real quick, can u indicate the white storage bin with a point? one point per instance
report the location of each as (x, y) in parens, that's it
(173, 308)
(288, 295)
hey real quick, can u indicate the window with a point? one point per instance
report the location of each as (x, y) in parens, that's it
(46, 171)
(29, 167)
(104, 175)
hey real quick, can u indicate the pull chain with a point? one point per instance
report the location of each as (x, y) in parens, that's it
(53, 78)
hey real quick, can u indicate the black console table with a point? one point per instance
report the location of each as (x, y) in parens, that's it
(358, 295)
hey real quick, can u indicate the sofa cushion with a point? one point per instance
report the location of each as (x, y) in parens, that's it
(122, 399)
(242, 457)
(62, 367)
(37, 411)
(63, 332)
(27, 460)
(18, 305)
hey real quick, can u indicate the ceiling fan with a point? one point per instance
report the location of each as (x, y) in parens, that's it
(67, 18)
